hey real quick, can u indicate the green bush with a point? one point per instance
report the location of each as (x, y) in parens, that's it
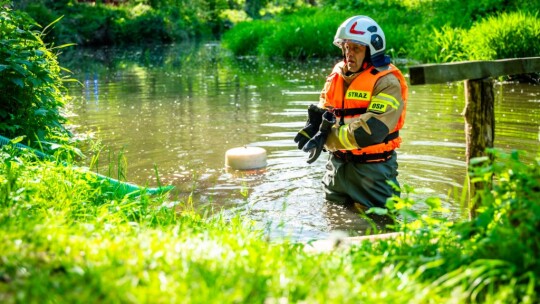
(509, 35)
(150, 27)
(414, 29)
(509, 221)
(305, 34)
(301, 37)
(133, 22)
(492, 258)
(309, 32)
(30, 81)
(445, 45)
(247, 36)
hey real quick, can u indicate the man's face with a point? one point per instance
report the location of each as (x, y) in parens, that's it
(355, 54)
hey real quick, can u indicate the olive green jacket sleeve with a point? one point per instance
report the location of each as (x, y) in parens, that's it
(372, 127)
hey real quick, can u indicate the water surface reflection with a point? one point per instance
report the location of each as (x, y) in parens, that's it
(180, 108)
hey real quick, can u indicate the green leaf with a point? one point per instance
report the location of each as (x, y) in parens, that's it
(434, 202)
(55, 146)
(378, 211)
(22, 71)
(479, 160)
(18, 81)
(63, 46)
(408, 213)
(17, 139)
(41, 112)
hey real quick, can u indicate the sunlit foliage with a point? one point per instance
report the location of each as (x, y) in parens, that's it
(414, 30)
(66, 239)
(31, 81)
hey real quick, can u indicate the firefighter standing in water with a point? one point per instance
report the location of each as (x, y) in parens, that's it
(358, 118)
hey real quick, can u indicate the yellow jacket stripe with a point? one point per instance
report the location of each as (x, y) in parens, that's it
(391, 99)
(344, 137)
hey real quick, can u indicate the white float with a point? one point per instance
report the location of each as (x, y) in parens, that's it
(245, 158)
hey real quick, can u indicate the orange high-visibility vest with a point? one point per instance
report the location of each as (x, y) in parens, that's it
(357, 98)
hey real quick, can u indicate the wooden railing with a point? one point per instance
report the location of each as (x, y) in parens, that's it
(479, 99)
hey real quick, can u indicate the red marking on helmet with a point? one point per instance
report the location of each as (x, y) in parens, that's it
(355, 31)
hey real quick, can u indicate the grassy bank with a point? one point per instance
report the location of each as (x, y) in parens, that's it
(414, 30)
(426, 31)
(66, 239)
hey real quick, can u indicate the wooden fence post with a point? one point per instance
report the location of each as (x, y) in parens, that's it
(479, 108)
(479, 116)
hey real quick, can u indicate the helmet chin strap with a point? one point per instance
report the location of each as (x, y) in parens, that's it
(367, 59)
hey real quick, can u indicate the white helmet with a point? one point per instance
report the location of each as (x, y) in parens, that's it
(365, 31)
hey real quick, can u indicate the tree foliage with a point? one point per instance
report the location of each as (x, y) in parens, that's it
(31, 82)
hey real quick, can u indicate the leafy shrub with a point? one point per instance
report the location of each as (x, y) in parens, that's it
(93, 25)
(492, 258)
(509, 35)
(445, 45)
(499, 248)
(301, 37)
(510, 212)
(247, 36)
(309, 33)
(132, 22)
(30, 81)
(148, 27)
(304, 34)
(413, 29)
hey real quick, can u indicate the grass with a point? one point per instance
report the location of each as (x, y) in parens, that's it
(63, 238)
(466, 31)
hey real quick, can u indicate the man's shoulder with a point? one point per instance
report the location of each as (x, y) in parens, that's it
(388, 84)
(337, 68)
(388, 80)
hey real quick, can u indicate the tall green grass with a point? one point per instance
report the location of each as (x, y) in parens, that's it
(301, 36)
(63, 238)
(509, 35)
(248, 36)
(504, 36)
(298, 36)
(414, 30)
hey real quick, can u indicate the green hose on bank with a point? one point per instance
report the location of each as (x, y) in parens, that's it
(121, 188)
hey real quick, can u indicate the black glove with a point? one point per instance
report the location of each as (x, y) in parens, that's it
(312, 126)
(315, 145)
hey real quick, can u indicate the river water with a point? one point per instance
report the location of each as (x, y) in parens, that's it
(176, 110)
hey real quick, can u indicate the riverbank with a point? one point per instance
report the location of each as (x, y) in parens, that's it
(66, 240)
(424, 37)
(416, 30)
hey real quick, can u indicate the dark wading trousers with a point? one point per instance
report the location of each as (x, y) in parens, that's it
(364, 183)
